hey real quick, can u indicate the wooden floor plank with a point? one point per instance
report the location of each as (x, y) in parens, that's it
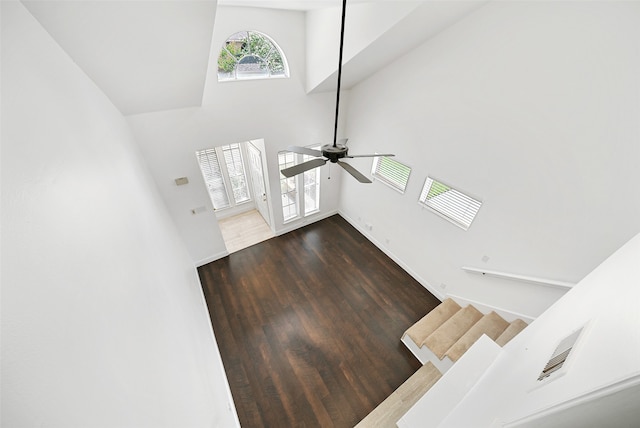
(309, 325)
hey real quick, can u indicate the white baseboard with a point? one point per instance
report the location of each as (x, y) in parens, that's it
(302, 222)
(393, 257)
(211, 258)
(482, 307)
(231, 407)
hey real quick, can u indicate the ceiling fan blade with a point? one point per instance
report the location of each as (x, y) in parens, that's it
(304, 151)
(369, 156)
(343, 141)
(302, 167)
(354, 172)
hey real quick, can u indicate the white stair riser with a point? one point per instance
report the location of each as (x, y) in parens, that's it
(424, 355)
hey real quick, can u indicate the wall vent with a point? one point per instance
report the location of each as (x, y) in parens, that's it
(560, 355)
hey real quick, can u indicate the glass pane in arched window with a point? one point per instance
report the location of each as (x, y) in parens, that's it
(251, 55)
(251, 66)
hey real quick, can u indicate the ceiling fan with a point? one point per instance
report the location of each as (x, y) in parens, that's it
(330, 152)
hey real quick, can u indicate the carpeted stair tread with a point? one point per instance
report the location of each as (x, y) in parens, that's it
(402, 399)
(492, 324)
(514, 328)
(451, 330)
(430, 322)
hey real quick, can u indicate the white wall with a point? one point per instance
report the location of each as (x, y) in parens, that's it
(103, 318)
(277, 110)
(364, 23)
(532, 107)
(605, 355)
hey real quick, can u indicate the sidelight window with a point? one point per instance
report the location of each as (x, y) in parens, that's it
(288, 187)
(293, 203)
(311, 180)
(224, 174)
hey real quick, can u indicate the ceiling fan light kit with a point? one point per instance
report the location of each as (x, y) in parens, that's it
(330, 152)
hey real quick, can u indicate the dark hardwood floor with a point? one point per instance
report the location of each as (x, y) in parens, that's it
(309, 326)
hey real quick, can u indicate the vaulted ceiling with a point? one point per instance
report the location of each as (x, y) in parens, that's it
(153, 55)
(303, 5)
(144, 55)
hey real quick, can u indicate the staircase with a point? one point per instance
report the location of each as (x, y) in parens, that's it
(402, 399)
(447, 332)
(438, 340)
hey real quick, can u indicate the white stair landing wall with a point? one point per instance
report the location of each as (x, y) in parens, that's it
(444, 396)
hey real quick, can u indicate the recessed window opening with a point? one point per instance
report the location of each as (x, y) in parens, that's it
(560, 355)
(391, 172)
(449, 203)
(224, 175)
(292, 202)
(251, 55)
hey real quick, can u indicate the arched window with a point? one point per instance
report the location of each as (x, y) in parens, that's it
(251, 55)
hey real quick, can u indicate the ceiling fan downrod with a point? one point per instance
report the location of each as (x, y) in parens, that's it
(332, 153)
(335, 128)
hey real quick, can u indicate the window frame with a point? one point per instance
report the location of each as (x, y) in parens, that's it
(287, 181)
(269, 70)
(316, 183)
(377, 173)
(475, 203)
(299, 182)
(233, 149)
(226, 181)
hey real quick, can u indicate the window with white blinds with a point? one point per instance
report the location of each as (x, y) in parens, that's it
(560, 355)
(226, 181)
(391, 172)
(449, 203)
(213, 177)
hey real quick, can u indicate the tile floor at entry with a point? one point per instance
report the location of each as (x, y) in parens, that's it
(244, 230)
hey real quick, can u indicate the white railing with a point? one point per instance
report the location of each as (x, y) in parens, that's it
(523, 278)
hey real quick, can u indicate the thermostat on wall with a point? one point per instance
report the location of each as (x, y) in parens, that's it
(182, 180)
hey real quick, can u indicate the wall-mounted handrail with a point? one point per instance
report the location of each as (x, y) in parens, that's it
(524, 278)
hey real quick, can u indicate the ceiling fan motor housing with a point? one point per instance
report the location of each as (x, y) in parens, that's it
(333, 153)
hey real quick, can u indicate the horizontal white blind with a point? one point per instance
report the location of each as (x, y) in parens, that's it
(560, 355)
(208, 160)
(452, 204)
(391, 172)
